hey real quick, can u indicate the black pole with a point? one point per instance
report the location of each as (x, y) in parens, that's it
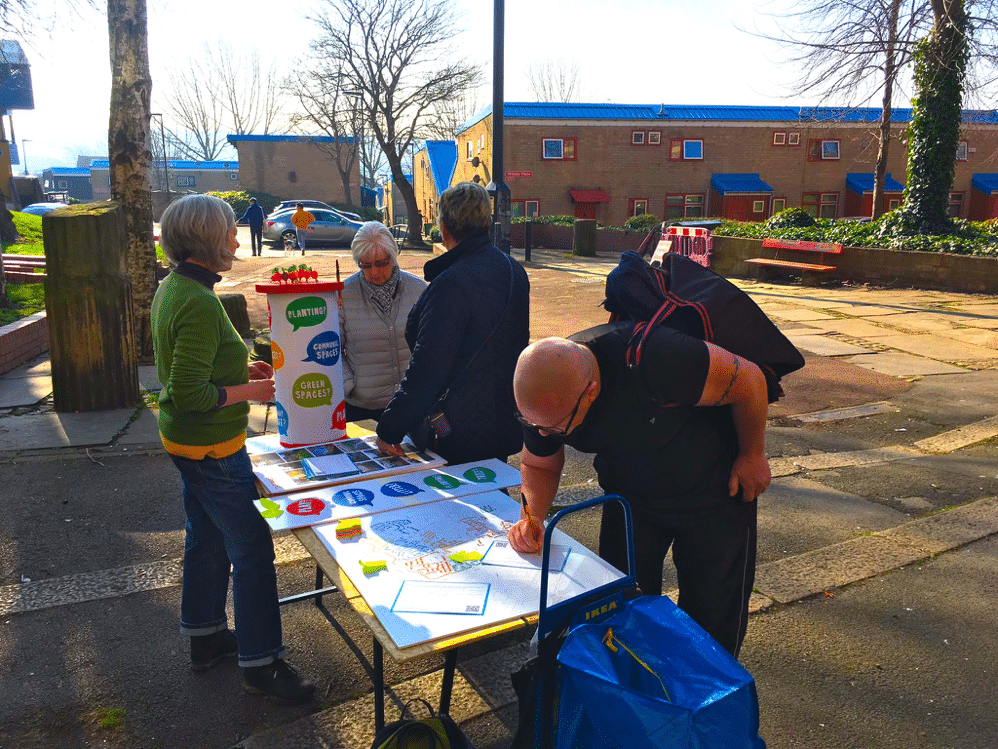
(498, 188)
(526, 239)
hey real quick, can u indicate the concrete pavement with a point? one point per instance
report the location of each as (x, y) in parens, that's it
(884, 464)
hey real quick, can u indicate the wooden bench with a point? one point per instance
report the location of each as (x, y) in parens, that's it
(24, 268)
(781, 247)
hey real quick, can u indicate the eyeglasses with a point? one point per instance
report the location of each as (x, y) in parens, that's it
(555, 431)
(375, 264)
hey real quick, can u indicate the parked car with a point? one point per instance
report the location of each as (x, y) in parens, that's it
(310, 204)
(328, 228)
(40, 209)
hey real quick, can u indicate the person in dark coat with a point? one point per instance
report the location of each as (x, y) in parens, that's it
(254, 216)
(465, 332)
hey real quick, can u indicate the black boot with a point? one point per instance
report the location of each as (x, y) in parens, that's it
(207, 651)
(279, 681)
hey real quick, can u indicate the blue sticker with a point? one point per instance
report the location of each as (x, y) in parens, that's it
(324, 349)
(282, 420)
(400, 489)
(354, 497)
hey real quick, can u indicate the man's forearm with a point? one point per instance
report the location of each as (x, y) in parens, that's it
(749, 411)
(540, 485)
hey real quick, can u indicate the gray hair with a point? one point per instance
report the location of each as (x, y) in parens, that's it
(373, 238)
(465, 209)
(196, 227)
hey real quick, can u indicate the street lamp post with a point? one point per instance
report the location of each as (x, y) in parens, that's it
(166, 167)
(24, 152)
(358, 96)
(498, 188)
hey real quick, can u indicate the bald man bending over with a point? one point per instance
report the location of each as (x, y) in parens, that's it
(681, 437)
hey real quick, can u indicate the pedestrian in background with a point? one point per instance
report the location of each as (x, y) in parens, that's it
(254, 216)
(301, 219)
(376, 303)
(203, 414)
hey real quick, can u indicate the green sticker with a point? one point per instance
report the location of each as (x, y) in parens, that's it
(272, 509)
(442, 481)
(306, 312)
(311, 390)
(480, 475)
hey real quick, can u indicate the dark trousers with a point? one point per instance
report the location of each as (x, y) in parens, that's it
(714, 554)
(256, 239)
(356, 413)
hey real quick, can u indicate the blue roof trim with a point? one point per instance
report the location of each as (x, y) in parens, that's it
(476, 118)
(724, 184)
(69, 171)
(288, 138)
(861, 182)
(230, 166)
(986, 183)
(443, 160)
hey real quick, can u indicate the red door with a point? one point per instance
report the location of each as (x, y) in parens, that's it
(585, 210)
(736, 208)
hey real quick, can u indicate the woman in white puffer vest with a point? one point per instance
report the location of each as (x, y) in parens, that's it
(376, 303)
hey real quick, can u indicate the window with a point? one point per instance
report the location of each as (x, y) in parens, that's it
(481, 142)
(893, 204)
(685, 150)
(471, 150)
(961, 151)
(758, 206)
(779, 138)
(558, 149)
(821, 204)
(637, 206)
(522, 208)
(955, 204)
(637, 137)
(822, 150)
(189, 181)
(63, 184)
(793, 139)
(654, 137)
(292, 176)
(234, 176)
(779, 204)
(683, 206)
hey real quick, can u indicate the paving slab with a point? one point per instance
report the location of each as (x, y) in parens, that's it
(800, 315)
(826, 346)
(143, 431)
(38, 367)
(987, 309)
(853, 412)
(976, 336)
(927, 322)
(903, 365)
(24, 390)
(871, 310)
(947, 530)
(954, 439)
(149, 380)
(982, 322)
(851, 327)
(938, 347)
(39, 431)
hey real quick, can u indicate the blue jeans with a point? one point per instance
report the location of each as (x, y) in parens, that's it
(301, 239)
(225, 529)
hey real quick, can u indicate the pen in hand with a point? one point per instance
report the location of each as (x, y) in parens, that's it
(526, 508)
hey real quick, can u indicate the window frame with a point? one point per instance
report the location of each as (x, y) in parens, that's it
(965, 147)
(816, 149)
(471, 150)
(189, 180)
(62, 184)
(234, 176)
(637, 137)
(956, 199)
(683, 144)
(793, 138)
(686, 205)
(563, 142)
(820, 203)
(654, 138)
(758, 206)
(524, 203)
(779, 137)
(632, 204)
(772, 205)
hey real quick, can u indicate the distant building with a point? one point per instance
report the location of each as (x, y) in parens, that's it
(73, 181)
(432, 174)
(392, 205)
(175, 176)
(613, 161)
(295, 167)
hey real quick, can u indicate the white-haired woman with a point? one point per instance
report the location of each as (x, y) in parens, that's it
(376, 303)
(203, 414)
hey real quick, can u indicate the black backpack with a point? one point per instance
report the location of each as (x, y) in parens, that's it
(694, 300)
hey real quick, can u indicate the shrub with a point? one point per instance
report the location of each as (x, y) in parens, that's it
(435, 235)
(643, 223)
(239, 200)
(790, 218)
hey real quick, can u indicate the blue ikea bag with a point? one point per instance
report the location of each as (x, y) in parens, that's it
(649, 676)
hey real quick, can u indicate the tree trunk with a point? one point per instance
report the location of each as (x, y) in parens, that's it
(883, 149)
(415, 236)
(131, 160)
(8, 235)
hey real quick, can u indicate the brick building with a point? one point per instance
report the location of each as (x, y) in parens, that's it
(432, 173)
(183, 177)
(613, 161)
(296, 167)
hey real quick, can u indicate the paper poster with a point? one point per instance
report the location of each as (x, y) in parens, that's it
(445, 542)
(282, 470)
(363, 497)
(422, 597)
(502, 554)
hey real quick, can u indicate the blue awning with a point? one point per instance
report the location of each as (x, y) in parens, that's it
(862, 182)
(986, 183)
(725, 184)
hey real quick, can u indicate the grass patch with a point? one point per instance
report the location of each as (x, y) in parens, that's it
(108, 718)
(30, 229)
(27, 298)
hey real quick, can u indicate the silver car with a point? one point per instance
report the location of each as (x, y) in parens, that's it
(310, 204)
(328, 228)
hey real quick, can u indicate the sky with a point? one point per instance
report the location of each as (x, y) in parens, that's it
(642, 52)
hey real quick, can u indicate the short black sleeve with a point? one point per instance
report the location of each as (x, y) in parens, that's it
(539, 445)
(674, 367)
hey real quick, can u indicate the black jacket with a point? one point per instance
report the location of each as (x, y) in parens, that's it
(469, 288)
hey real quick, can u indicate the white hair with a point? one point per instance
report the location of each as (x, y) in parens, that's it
(371, 239)
(196, 227)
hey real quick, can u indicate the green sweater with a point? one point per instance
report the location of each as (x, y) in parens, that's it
(197, 349)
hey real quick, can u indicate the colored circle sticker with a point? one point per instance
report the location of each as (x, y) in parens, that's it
(312, 390)
(442, 481)
(306, 312)
(307, 506)
(276, 355)
(400, 489)
(354, 497)
(282, 419)
(480, 475)
(324, 349)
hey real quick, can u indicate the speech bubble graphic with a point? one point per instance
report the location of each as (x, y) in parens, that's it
(306, 312)
(353, 497)
(400, 489)
(340, 417)
(271, 508)
(282, 419)
(480, 475)
(442, 481)
(276, 355)
(312, 390)
(324, 349)
(307, 506)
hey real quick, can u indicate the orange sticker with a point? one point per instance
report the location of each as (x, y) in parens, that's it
(276, 355)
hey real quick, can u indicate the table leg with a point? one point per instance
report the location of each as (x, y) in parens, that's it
(450, 663)
(379, 686)
(318, 584)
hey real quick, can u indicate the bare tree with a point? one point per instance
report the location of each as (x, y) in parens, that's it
(195, 107)
(128, 151)
(395, 53)
(448, 116)
(555, 80)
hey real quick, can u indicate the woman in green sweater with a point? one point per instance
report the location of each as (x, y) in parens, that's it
(203, 414)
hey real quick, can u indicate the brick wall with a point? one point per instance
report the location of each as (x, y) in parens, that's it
(23, 340)
(295, 170)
